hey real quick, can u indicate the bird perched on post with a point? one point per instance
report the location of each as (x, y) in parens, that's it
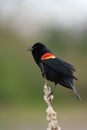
(53, 68)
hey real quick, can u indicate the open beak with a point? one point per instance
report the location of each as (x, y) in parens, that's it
(29, 49)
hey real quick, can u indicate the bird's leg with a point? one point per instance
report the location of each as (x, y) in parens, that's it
(52, 91)
(43, 73)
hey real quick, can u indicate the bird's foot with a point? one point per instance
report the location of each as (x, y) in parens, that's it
(50, 94)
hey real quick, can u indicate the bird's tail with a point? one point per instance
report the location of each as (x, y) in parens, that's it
(75, 92)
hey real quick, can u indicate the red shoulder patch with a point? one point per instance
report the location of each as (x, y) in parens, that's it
(47, 56)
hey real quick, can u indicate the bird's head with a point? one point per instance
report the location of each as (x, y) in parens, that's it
(38, 49)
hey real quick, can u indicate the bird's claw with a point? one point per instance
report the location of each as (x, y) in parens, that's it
(50, 94)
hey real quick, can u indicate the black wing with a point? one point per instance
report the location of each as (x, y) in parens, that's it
(60, 66)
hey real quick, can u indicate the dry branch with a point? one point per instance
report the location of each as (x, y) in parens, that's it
(51, 114)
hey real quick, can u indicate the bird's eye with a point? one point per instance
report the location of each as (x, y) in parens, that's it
(34, 47)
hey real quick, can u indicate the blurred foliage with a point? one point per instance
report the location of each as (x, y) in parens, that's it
(20, 78)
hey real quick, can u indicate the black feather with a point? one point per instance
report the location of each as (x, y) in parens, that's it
(54, 69)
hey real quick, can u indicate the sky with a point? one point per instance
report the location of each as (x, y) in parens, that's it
(37, 13)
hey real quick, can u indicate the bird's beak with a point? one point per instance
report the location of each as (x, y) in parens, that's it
(29, 49)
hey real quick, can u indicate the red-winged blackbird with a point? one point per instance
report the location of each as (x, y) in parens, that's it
(53, 68)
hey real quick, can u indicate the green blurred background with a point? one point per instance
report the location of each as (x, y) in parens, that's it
(21, 84)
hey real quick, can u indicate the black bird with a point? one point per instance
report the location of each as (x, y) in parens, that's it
(53, 68)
